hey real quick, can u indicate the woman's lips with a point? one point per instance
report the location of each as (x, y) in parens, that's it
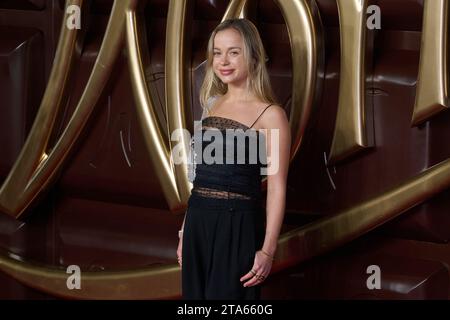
(226, 72)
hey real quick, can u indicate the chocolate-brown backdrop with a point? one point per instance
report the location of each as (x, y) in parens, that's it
(106, 210)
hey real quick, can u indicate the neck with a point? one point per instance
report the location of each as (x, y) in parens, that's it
(238, 92)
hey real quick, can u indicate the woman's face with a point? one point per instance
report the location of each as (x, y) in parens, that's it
(228, 57)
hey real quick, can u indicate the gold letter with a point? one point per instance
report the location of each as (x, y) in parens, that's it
(432, 82)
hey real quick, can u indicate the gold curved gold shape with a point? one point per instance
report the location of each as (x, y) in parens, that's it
(432, 81)
(111, 285)
(350, 132)
(307, 48)
(294, 246)
(20, 187)
(155, 141)
(330, 232)
(236, 9)
(121, 285)
(164, 281)
(178, 94)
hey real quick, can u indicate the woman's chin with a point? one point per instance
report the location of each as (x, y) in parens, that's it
(231, 81)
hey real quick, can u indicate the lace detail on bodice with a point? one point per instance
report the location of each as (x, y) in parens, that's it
(214, 122)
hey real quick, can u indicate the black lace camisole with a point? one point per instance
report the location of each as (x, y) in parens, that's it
(229, 159)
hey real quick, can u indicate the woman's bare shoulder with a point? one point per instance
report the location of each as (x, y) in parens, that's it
(274, 117)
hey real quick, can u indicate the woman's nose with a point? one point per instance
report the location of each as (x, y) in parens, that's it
(224, 59)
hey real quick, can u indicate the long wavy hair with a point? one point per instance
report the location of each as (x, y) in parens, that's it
(258, 81)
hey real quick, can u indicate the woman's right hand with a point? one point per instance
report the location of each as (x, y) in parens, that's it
(179, 251)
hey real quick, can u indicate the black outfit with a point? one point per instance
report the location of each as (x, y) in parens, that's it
(224, 225)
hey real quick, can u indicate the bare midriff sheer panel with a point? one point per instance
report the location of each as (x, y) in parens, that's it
(218, 194)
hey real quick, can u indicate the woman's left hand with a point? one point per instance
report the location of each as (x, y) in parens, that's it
(260, 271)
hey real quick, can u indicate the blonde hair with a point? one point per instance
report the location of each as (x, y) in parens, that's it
(258, 80)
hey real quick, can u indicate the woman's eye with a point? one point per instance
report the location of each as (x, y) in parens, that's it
(216, 53)
(234, 53)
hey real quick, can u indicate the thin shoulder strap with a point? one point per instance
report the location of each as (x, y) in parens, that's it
(260, 115)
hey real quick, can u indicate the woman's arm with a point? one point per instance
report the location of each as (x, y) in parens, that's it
(278, 144)
(182, 226)
(278, 141)
(180, 243)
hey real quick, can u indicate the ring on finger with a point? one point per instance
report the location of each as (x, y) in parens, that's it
(253, 272)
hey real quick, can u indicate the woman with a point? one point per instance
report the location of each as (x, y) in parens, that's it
(226, 253)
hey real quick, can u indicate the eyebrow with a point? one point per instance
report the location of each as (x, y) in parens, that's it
(229, 48)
